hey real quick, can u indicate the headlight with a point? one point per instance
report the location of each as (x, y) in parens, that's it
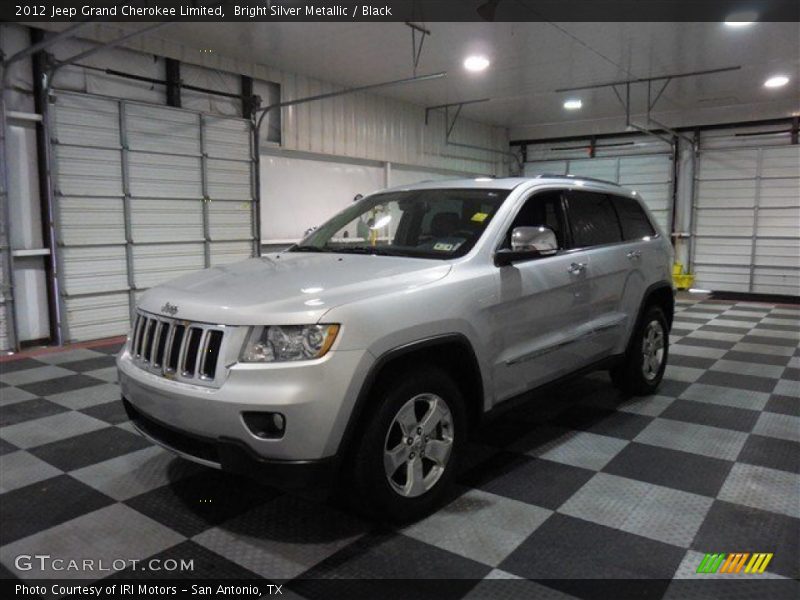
(288, 342)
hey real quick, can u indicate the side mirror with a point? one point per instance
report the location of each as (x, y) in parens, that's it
(527, 243)
(540, 238)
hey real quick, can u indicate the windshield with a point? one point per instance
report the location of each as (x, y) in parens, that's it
(434, 223)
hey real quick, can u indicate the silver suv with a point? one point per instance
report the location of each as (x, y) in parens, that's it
(366, 353)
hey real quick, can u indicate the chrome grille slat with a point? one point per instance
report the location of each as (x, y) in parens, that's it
(176, 349)
(192, 352)
(147, 337)
(168, 348)
(137, 340)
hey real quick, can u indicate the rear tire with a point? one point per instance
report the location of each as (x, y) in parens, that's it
(407, 457)
(643, 367)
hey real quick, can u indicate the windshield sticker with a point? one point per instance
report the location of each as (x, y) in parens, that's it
(479, 217)
(444, 247)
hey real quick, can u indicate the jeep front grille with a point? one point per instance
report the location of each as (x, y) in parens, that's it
(181, 350)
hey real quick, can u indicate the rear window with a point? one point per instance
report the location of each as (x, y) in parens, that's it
(633, 219)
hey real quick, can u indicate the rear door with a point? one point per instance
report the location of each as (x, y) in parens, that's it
(596, 231)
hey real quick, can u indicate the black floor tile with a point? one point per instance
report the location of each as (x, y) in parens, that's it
(734, 528)
(27, 410)
(90, 448)
(205, 565)
(20, 364)
(42, 505)
(90, 364)
(793, 374)
(671, 387)
(706, 343)
(772, 327)
(754, 357)
(109, 348)
(703, 413)
(199, 502)
(671, 468)
(604, 422)
(6, 447)
(679, 318)
(59, 385)
(564, 547)
(768, 341)
(532, 480)
(785, 405)
(678, 331)
(418, 570)
(749, 319)
(760, 310)
(711, 328)
(771, 452)
(693, 362)
(738, 381)
(111, 412)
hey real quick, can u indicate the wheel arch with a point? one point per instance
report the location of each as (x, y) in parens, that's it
(660, 294)
(451, 352)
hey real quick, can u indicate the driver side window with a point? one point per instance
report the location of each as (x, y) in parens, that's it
(543, 208)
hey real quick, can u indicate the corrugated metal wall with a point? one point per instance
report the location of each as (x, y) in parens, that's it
(746, 234)
(375, 127)
(144, 194)
(642, 163)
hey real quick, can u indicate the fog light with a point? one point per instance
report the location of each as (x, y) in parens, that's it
(265, 425)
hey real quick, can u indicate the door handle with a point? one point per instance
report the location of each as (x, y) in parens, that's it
(576, 268)
(634, 254)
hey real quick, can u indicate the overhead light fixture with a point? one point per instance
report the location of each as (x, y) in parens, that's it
(741, 19)
(573, 104)
(476, 63)
(776, 81)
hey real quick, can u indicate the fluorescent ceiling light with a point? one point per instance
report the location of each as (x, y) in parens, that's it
(776, 81)
(573, 104)
(741, 19)
(476, 63)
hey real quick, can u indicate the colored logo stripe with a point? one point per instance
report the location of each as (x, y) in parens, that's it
(734, 562)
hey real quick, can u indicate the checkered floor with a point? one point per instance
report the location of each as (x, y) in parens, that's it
(579, 484)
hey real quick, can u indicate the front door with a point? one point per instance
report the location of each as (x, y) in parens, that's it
(541, 307)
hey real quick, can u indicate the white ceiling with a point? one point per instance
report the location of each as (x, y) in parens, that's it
(530, 61)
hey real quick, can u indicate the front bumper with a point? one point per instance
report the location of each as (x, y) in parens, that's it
(315, 397)
(234, 456)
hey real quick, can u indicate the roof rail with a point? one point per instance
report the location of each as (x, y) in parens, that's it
(570, 176)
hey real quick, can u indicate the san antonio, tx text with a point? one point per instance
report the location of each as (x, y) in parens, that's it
(142, 589)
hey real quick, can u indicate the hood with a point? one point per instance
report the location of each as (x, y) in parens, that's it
(289, 288)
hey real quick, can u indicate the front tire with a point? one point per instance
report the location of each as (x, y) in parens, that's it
(406, 460)
(643, 367)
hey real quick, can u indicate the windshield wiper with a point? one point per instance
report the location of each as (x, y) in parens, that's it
(302, 248)
(365, 250)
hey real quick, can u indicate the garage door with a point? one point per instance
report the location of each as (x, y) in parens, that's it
(746, 222)
(143, 194)
(641, 163)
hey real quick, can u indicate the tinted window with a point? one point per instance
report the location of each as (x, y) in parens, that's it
(592, 219)
(543, 208)
(634, 221)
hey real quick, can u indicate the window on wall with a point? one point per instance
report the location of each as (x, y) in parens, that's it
(592, 219)
(632, 218)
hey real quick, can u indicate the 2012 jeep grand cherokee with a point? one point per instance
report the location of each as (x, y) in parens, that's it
(368, 351)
